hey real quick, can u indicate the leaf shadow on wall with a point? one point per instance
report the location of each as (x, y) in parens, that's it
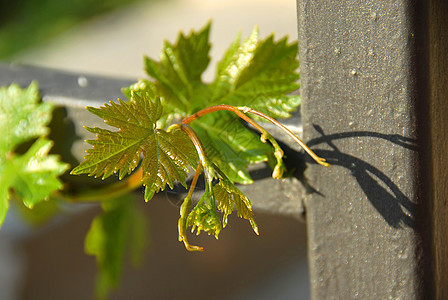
(385, 196)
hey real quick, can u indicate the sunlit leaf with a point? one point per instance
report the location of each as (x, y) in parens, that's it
(37, 173)
(22, 116)
(223, 196)
(178, 73)
(33, 176)
(229, 197)
(260, 74)
(165, 156)
(204, 218)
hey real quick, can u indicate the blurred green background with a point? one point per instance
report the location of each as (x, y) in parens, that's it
(28, 23)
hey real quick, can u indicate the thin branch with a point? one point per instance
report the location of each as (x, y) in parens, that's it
(231, 108)
(131, 183)
(208, 167)
(196, 142)
(195, 180)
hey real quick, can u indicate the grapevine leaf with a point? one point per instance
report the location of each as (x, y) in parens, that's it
(22, 116)
(255, 73)
(165, 155)
(235, 60)
(181, 65)
(259, 75)
(33, 175)
(204, 218)
(145, 86)
(120, 225)
(228, 197)
(221, 79)
(37, 172)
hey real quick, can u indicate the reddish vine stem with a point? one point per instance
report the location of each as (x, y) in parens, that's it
(231, 108)
(184, 210)
(196, 142)
(208, 169)
(195, 180)
(240, 112)
(318, 159)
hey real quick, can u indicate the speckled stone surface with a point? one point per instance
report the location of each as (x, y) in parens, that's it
(358, 111)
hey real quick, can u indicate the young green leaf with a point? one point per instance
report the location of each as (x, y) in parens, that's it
(165, 155)
(181, 65)
(33, 175)
(142, 87)
(121, 226)
(204, 218)
(228, 197)
(36, 173)
(260, 75)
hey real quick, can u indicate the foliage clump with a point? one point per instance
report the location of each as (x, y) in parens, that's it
(209, 133)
